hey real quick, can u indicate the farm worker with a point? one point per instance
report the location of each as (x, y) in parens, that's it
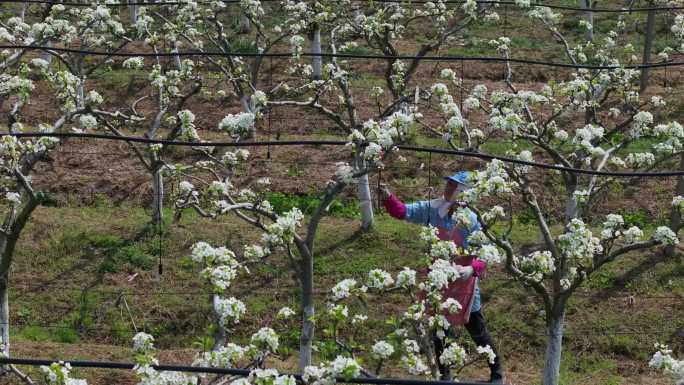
(438, 213)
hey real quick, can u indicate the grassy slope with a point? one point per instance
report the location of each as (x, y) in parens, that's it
(73, 262)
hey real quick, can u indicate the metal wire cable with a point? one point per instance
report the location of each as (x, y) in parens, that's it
(348, 56)
(234, 372)
(478, 155)
(406, 2)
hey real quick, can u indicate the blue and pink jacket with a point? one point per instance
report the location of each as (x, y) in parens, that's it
(428, 213)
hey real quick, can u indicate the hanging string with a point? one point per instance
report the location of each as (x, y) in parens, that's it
(429, 187)
(462, 85)
(270, 86)
(159, 215)
(379, 192)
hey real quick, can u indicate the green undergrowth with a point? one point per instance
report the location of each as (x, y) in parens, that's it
(74, 263)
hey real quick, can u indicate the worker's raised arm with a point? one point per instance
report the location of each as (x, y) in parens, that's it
(417, 212)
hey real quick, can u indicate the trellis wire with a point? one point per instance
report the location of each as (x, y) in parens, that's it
(234, 372)
(348, 56)
(407, 2)
(471, 154)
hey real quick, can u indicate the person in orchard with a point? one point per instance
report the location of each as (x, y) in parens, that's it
(438, 213)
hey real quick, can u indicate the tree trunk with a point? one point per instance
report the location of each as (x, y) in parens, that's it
(177, 57)
(220, 332)
(306, 339)
(245, 24)
(589, 16)
(4, 320)
(317, 61)
(554, 347)
(675, 217)
(133, 12)
(365, 202)
(648, 46)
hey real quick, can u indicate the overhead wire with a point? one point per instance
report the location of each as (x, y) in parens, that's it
(663, 64)
(405, 2)
(478, 155)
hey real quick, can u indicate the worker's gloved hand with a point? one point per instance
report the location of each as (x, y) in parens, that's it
(478, 267)
(384, 191)
(464, 272)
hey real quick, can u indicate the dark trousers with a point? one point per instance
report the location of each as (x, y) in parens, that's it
(478, 332)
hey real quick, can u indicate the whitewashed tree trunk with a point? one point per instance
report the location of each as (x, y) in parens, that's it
(4, 320)
(589, 16)
(317, 61)
(245, 24)
(307, 336)
(14, 225)
(220, 332)
(648, 46)
(365, 202)
(176, 57)
(133, 12)
(554, 347)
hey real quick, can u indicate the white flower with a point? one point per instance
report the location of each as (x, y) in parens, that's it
(447, 74)
(633, 235)
(451, 306)
(383, 350)
(373, 152)
(579, 244)
(536, 265)
(443, 249)
(379, 279)
(94, 98)
(13, 198)
(453, 355)
(561, 135)
(88, 121)
(487, 350)
(255, 252)
(134, 63)
(642, 159)
(142, 342)
(266, 337)
(238, 124)
(345, 367)
(344, 172)
(40, 63)
(185, 187)
(414, 364)
(406, 277)
(428, 234)
(231, 308)
(339, 311)
(343, 289)
(490, 254)
(285, 313)
(665, 236)
(581, 196)
(464, 218)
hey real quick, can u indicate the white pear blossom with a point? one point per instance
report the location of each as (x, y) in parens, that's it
(267, 338)
(666, 236)
(343, 289)
(453, 355)
(379, 279)
(383, 350)
(487, 351)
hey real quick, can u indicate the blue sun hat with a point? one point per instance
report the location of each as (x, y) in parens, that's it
(460, 177)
